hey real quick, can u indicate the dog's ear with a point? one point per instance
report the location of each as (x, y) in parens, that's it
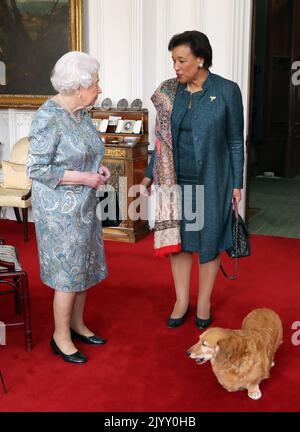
(230, 348)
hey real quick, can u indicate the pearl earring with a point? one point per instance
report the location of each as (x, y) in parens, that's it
(200, 65)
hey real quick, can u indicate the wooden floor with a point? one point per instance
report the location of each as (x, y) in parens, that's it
(274, 206)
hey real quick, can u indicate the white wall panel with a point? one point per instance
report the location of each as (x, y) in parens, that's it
(19, 124)
(14, 124)
(115, 54)
(218, 20)
(241, 40)
(4, 135)
(136, 49)
(201, 13)
(115, 38)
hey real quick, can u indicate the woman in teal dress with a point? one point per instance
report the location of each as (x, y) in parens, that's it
(199, 143)
(64, 163)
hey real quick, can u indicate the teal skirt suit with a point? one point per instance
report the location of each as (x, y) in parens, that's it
(208, 146)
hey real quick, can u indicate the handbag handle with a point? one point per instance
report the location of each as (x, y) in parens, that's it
(234, 276)
(236, 209)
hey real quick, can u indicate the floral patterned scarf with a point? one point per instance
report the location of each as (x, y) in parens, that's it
(168, 199)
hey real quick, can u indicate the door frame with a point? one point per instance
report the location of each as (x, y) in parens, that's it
(250, 108)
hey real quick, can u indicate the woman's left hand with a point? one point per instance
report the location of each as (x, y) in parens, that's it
(236, 195)
(104, 173)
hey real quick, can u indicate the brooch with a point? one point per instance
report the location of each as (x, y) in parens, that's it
(213, 98)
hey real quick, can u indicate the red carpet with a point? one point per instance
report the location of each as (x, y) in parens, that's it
(144, 366)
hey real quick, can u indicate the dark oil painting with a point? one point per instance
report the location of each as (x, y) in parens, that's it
(33, 35)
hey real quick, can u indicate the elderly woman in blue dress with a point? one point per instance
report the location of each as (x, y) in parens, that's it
(199, 141)
(65, 165)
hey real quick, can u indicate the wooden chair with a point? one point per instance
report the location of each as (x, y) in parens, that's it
(14, 280)
(16, 191)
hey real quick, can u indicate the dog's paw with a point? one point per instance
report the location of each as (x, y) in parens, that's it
(255, 395)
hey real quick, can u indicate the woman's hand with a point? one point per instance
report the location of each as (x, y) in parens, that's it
(146, 186)
(236, 196)
(86, 178)
(93, 180)
(104, 173)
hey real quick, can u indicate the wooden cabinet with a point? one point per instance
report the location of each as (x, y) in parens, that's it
(126, 155)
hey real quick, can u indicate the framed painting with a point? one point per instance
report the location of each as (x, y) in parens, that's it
(33, 35)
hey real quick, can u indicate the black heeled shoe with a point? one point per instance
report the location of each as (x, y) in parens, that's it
(176, 322)
(77, 357)
(203, 323)
(91, 340)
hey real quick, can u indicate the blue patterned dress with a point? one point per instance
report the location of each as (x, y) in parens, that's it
(69, 234)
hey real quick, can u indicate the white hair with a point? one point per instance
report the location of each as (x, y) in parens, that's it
(73, 70)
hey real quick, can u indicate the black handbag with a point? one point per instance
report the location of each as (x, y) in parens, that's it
(240, 238)
(108, 210)
(241, 241)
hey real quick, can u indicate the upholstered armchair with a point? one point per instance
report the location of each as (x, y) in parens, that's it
(15, 190)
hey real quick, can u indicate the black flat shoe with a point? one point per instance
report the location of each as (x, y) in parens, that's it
(91, 340)
(203, 323)
(176, 322)
(77, 357)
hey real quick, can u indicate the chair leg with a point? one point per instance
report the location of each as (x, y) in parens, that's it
(3, 384)
(17, 214)
(17, 295)
(26, 311)
(25, 223)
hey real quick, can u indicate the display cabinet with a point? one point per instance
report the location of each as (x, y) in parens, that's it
(126, 155)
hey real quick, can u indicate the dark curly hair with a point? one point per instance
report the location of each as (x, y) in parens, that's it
(198, 43)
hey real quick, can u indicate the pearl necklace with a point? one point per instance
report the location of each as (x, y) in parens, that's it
(193, 91)
(75, 115)
(198, 86)
(191, 94)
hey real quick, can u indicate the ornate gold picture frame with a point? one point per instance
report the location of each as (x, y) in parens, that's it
(33, 35)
